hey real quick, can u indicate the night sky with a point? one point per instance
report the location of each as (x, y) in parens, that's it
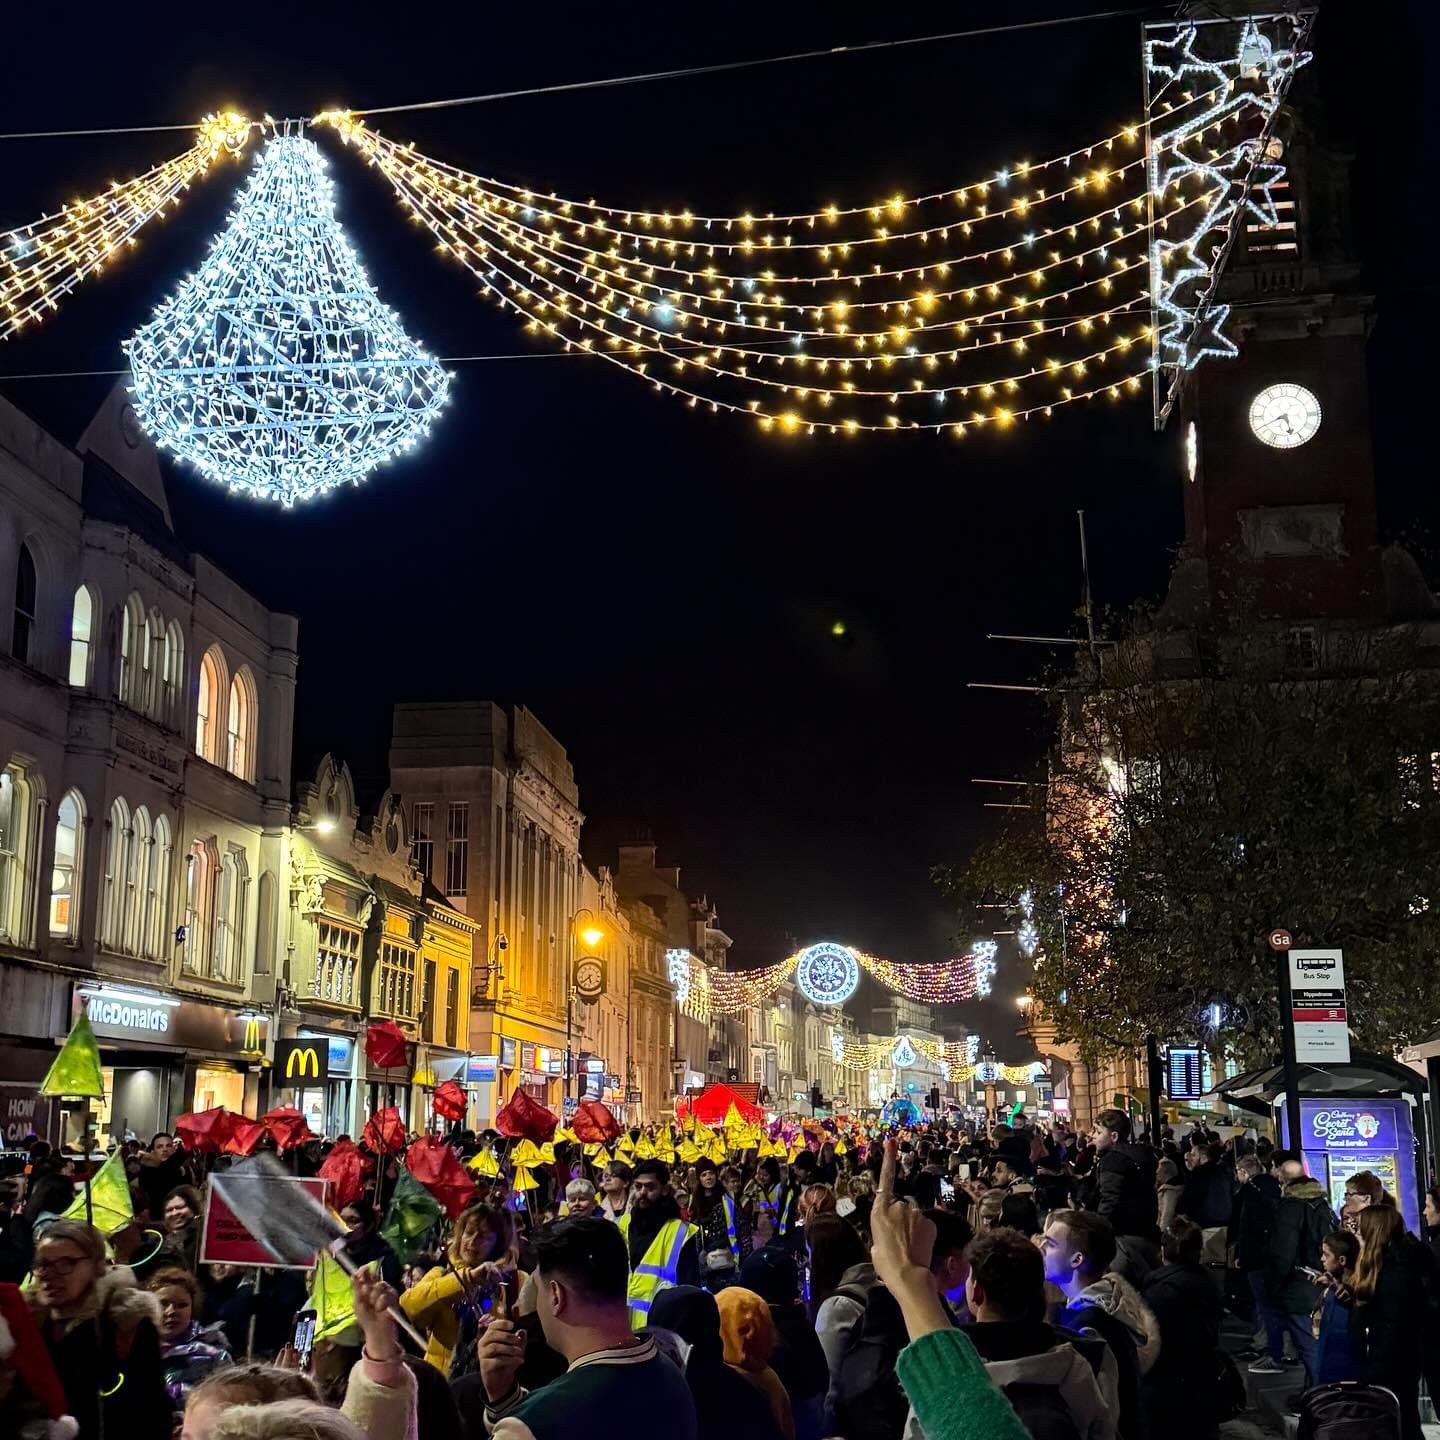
(660, 587)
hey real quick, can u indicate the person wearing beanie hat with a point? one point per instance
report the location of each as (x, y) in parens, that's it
(724, 1239)
(749, 1336)
(23, 1356)
(797, 1357)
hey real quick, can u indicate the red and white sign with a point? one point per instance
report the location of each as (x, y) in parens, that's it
(1280, 939)
(1317, 1006)
(225, 1241)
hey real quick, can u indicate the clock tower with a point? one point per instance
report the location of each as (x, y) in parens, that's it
(1274, 446)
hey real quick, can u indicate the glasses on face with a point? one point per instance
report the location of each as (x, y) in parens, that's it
(61, 1266)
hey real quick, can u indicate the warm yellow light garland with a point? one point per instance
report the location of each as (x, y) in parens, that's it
(797, 350)
(42, 262)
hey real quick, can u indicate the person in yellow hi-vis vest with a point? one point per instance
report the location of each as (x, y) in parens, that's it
(662, 1246)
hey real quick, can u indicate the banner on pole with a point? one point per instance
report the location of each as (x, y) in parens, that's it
(225, 1240)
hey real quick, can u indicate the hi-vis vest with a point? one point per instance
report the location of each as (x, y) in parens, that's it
(775, 1203)
(657, 1269)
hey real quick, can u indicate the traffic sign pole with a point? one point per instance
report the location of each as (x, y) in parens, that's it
(1280, 942)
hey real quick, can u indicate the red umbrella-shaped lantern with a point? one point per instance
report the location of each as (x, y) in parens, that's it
(342, 1168)
(205, 1131)
(384, 1132)
(244, 1136)
(524, 1118)
(287, 1127)
(594, 1124)
(449, 1100)
(386, 1046)
(435, 1165)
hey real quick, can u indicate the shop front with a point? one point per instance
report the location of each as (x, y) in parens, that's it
(437, 1064)
(325, 1101)
(163, 1055)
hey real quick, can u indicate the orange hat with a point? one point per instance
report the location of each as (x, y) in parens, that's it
(746, 1328)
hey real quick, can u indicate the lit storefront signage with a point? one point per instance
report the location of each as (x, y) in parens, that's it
(1343, 1136)
(148, 1018)
(482, 1069)
(507, 1053)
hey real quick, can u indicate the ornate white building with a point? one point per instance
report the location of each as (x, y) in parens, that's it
(146, 711)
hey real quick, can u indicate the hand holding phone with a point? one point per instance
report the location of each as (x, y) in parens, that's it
(302, 1337)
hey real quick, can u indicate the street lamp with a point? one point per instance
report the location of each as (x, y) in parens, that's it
(592, 936)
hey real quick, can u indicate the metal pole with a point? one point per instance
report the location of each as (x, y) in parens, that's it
(1287, 1038)
(1154, 1079)
(1085, 578)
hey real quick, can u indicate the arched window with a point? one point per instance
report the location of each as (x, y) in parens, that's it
(117, 870)
(65, 876)
(27, 595)
(134, 661)
(267, 923)
(133, 937)
(204, 884)
(209, 716)
(144, 697)
(173, 674)
(240, 734)
(82, 620)
(155, 926)
(229, 951)
(17, 852)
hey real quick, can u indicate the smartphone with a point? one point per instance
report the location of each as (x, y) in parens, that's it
(302, 1337)
(947, 1190)
(970, 1169)
(1313, 1274)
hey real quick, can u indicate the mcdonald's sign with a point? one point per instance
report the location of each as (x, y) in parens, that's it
(301, 1062)
(251, 1043)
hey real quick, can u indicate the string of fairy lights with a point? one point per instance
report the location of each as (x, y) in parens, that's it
(42, 262)
(826, 974)
(1040, 284)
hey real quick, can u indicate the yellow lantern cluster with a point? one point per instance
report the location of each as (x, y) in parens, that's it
(42, 262)
(978, 305)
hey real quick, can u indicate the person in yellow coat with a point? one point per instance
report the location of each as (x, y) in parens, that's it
(479, 1266)
(663, 1249)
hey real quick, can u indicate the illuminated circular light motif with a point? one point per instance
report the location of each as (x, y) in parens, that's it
(987, 1072)
(276, 369)
(827, 974)
(903, 1056)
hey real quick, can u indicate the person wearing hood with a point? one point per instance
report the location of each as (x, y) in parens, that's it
(749, 1336)
(797, 1357)
(364, 1243)
(1041, 1372)
(726, 1402)
(102, 1333)
(189, 1351)
(1079, 1248)
(1121, 1189)
(1303, 1219)
(1186, 1305)
(663, 1248)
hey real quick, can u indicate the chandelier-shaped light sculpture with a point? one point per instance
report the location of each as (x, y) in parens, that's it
(276, 369)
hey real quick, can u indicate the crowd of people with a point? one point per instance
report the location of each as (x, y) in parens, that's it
(938, 1284)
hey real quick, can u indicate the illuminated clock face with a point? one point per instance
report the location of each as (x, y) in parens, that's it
(1284, 415)
(1192, 451)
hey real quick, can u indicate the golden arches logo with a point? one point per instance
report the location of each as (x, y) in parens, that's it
(251, 1042)
(303, 1062)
